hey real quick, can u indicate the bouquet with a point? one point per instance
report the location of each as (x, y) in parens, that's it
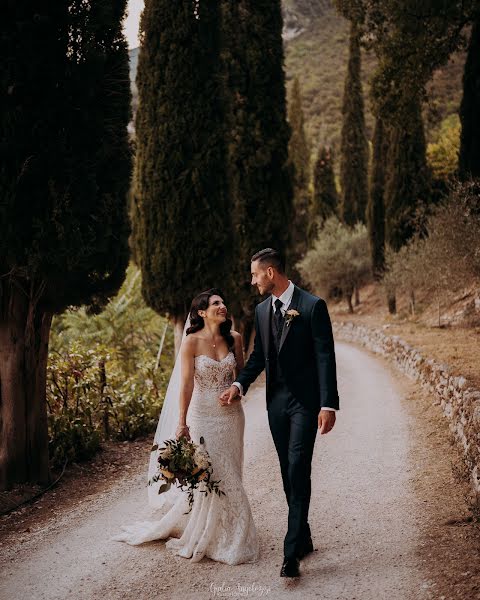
(187, 465)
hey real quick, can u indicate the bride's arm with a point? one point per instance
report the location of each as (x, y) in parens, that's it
(186, 384)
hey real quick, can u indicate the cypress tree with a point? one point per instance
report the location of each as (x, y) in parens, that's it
(258, 135)
(376, 206)
(410, 45)
(64, 176)
(299, 157)
(324, 202)
(469, 156)
(298, 151)
(354, 144)
(407, 180)
(181, 196)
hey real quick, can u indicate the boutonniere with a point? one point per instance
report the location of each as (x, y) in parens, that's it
(290, 315)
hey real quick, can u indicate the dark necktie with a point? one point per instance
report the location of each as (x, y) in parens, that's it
(278, 318)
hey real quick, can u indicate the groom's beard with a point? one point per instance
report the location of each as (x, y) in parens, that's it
(266, 289)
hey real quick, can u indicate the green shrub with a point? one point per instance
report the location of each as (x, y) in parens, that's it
(71, 438)
(442, 153)
(103, 381)
(339, 260)
(446, 257)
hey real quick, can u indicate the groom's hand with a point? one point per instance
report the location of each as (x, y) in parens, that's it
(229, 395)
(326, 420)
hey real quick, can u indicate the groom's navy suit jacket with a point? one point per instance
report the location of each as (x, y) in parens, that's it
(306, 352)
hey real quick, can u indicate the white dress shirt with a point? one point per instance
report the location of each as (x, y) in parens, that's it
(285, 298)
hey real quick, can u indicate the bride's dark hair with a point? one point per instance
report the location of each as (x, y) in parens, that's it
(202, 302)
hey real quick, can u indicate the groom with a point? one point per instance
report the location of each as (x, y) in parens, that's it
(294, 344)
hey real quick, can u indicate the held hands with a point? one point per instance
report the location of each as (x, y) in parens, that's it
(182, 431)
(326, 420)
(228, 396)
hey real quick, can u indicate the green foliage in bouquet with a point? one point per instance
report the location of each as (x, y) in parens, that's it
(186, 464)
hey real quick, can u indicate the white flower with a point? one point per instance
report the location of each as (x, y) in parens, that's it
(290, 315)
(201, 459)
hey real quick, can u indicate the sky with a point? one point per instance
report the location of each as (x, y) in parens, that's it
(131, 22)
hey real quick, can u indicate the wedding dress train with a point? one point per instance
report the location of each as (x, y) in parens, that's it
(219, 527)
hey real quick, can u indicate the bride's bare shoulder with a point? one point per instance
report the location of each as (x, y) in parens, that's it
(189, 343)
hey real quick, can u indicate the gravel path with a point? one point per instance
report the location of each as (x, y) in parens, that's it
(365, 517)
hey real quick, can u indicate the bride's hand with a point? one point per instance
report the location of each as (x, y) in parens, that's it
(182, 431)
(229, 395)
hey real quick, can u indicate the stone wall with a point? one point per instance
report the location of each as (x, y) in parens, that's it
(460, 402)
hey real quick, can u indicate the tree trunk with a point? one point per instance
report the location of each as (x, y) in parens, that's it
(251, 341)
(469, 154)
(412, 302)
(349, 302)
(249, 336)
(245, 328)
(160, 347)
(24, 335)
(104, 398)
(178, 325)
(357, 296)
(392, 303)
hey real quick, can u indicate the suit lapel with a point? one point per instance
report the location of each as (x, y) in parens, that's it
(265, 325)
(286, 328)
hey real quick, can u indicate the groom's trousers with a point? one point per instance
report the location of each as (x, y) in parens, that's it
(294, 428)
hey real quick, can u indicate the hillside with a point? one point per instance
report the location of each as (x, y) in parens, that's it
(316, 51)
(318, 57)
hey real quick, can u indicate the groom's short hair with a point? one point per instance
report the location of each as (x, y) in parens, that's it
(270, 258)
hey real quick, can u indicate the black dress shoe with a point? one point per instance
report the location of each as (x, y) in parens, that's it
(307, 549)
(290, 568)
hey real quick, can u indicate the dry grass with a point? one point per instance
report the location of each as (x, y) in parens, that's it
(449, 546)
(455, 344)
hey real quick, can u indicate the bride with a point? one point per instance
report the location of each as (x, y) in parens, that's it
(219, 527)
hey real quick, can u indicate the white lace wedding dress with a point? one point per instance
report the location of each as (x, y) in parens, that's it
(219, 527)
